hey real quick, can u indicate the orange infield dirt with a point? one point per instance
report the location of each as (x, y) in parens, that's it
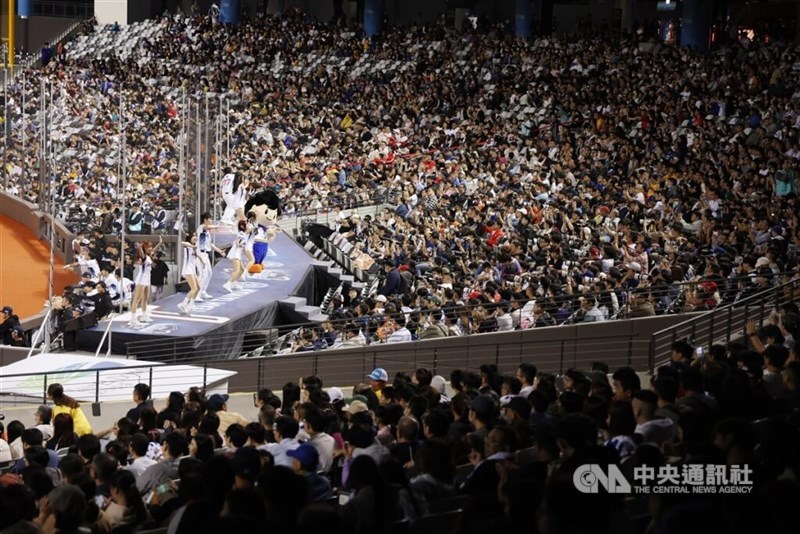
(25, 270)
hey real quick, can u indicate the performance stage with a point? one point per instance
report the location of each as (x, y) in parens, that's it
(288, 270)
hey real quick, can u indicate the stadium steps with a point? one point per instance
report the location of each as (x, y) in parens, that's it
(301, 306)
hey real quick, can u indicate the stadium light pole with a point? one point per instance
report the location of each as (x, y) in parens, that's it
(45, 126)
(24, 135)
(121, 163)
(5, 129)
(12, 18)
(181, 175)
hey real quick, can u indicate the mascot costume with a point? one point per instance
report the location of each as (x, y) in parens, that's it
(263, 208)
(234, 191)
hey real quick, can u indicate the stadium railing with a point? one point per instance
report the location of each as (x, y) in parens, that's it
(723, 324)
(553, 349)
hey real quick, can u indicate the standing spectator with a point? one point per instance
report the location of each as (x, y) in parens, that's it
(67, 405)
(649, 426)
(621, 427)
(526, 373)
(46, 54)
(377, 381)
(8, 321)
(158, 276)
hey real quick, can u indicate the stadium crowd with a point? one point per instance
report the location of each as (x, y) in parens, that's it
(562, 170)
(490, 453)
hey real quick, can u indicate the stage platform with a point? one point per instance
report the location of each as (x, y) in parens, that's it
(254, 307)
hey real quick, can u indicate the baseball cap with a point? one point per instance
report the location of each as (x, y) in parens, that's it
(361, 398)
(378, 374)
(8, 310)
(482, 404)
(356, 407)
(634, 266)
(216, 401)
(519, 405)
(438, 383)
(307, 455)
(380, 298)
(335, 394)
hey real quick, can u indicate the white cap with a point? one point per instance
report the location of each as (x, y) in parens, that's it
(335, 394)
(380, 298)
(439, 384)
(634, 266)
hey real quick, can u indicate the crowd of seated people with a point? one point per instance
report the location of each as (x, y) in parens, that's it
(565, 175)
(599, 146)
(462, 285)
(495, 451)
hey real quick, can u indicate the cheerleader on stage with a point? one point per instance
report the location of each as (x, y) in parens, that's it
(189, 273)
(234, 193)
(141, 292)
(235, 255)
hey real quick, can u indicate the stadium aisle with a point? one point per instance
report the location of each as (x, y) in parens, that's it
(24, 270)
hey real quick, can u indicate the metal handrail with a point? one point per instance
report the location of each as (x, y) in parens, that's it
(37, 336)
(341, 368)
(707, 319)
(178, 347)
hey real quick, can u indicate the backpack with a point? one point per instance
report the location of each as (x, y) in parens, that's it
(406, 282)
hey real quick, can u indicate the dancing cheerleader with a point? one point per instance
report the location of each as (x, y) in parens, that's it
(141, 291)
(189, 273)
(234, 194)
(235, 255)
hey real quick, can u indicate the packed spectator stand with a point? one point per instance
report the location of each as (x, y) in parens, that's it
(566, 181)
(557, 171)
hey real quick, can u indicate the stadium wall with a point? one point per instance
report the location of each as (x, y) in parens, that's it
(39, 31)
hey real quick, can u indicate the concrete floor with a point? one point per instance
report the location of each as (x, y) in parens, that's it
(113, 411)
